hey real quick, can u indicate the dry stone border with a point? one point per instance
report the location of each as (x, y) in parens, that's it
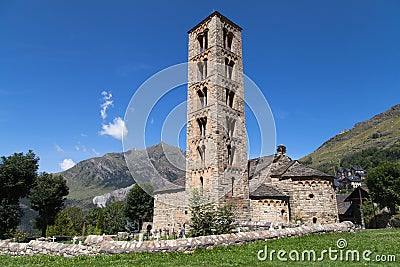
(95, 245)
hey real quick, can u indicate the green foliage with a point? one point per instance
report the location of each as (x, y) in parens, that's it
(371, 157)
(10, 215)
(76, 216)
(17, 174)
(383, 182)
(63, 226)
(139, 205)
(99, 223)
(369, 212)
(307, 161)
(208, 219)
(47, 197)
(91, 217)
(19, 237)
(224, 219)
(114, 218)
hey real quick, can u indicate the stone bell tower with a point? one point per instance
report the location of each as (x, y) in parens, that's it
(216, 149)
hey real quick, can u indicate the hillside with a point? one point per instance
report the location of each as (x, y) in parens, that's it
(101, 175)
(381, 132)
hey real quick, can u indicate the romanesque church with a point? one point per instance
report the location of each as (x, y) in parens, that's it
(272, 189)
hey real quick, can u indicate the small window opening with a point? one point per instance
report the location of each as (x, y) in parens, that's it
(227, 39)
(202, 122)
(314, 220)
(201, 70)
(232, 183)
(200, 39)
(203, 41)
(201, 98)
(231, 153)
(202, 150)
(201, 182)
(229, 97)
(229, 68)
(311, 195)
(205, 67)
(230, 126)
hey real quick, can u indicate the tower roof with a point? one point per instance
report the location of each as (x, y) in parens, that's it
(222, 17)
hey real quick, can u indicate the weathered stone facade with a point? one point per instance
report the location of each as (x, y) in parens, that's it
(171, 212)
(271, 189)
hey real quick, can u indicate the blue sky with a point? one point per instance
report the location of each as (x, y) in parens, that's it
(322, 66)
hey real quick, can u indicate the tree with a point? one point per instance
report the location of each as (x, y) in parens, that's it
(63, 226)
(100, 223)
(139, 205)
(91, 217)
(76, 216)
(202, 215)
(17, 174)
(10, 215)
(383, 182)
(47, 197)
(114, 218)
(208, 219)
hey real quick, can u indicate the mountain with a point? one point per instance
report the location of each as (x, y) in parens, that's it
(380, 133)
(101, 175)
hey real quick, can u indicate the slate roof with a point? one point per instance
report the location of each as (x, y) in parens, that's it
(223, 18)
(265, 191)
(355, 195)
(259, 164)
(354, 178)
(343, 207)
(297, 170)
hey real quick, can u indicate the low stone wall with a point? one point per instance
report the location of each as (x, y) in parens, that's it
(99, 245)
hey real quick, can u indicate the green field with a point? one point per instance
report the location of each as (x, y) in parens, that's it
(379, 242)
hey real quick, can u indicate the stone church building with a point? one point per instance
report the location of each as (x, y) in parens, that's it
(271, 189)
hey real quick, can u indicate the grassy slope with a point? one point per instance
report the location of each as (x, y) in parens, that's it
(358, 138)
(378, 241)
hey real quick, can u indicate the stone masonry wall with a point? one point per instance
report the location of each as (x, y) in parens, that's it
(171, 211)
(95, 245)
(269, 210)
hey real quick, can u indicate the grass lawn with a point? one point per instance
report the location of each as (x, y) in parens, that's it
(379, 242)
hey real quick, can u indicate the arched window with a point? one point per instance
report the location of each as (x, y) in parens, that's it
(227, 39)
(201, 182)
(202, 122)
(229, 97)
(229, 68)
(202, 94)
(202, 39)
(230, 126)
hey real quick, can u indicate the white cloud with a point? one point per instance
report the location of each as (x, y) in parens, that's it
(106, 104)
(116, 129)
(58, 148)
(67, 164)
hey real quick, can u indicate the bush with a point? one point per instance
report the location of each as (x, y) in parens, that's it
(209, 219)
